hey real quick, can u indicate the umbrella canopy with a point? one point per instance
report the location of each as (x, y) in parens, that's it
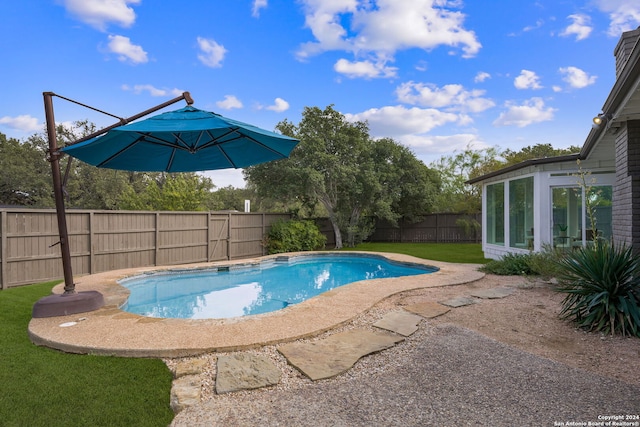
(185, 140)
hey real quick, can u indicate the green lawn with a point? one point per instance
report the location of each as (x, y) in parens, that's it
(44, 387)
(448, 252)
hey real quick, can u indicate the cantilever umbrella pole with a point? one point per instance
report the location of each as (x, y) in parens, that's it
(54, 158)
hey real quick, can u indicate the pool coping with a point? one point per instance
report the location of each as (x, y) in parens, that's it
(111, 331)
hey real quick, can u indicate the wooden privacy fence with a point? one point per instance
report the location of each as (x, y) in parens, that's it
(434, 228)
(111, 240)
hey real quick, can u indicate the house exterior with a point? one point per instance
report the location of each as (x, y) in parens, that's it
(568, 201)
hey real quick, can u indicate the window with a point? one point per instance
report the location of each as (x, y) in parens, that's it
(566, 205)
(495, 214)
(599, 199)
(570, 212)
(521, 213)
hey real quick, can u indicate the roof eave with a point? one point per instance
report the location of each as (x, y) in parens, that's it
(526, 163)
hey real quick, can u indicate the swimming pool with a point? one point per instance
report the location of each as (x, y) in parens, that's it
(246, 289)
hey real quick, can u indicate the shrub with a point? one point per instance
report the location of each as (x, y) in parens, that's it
(545, 263)
(509, 265)
(602, 284)
(293, 236)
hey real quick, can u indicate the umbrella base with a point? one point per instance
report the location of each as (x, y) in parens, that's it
(64, 304)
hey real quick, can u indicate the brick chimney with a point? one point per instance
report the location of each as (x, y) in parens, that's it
(624, 47)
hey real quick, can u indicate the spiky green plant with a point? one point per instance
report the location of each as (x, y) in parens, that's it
(602, 284)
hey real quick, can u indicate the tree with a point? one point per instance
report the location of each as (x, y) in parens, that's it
(24, 174)
(169, 192)
(409, 187)
(538, 151)
(230, 198)
(338, 165)
(455, 170)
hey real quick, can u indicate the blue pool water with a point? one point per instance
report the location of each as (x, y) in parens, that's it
(254, 289)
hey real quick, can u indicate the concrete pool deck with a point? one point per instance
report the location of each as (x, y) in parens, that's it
(111, 331)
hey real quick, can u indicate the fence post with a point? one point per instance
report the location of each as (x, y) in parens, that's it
(437, 230)
(229, 236)
(157, 240)
(3, 249)
(92, 258)
(264, 230)
(209, 236)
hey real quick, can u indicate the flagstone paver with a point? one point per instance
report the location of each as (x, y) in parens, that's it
(245, 371)
(334, 355)
(458, 302)
(400, 322)
(428, 309)
(185, 391)
(493, 293)
(189, 367)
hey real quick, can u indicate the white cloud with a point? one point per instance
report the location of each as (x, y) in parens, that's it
(397, 120)
(279, 105)
(530, 112)
(624, 15)
(580, 27)
(99, 13)
(212, 53)
(527, 80)
(453, 97)
(24, 123)
(481, 76)
(539, 23)
(127, 51)
(257, 5)
(152, 90)
(438, 145)
(576, 77)
(365, 69)
(380, 29)
(229, 103)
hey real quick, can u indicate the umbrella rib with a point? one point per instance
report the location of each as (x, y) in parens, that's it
(142, 137)
(151, 139)
(117, 153)
(170, 163)
(231, 162)
(214, 141)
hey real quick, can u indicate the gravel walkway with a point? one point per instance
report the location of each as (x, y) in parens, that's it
(450, 377)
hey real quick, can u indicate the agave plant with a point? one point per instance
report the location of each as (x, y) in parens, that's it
(602, 284)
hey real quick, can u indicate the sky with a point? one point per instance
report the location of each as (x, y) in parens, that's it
(437, 76)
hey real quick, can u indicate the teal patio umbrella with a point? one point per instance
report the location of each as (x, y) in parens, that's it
(184, 140)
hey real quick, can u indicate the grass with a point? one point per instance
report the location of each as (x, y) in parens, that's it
(448, 252)
(44, 387)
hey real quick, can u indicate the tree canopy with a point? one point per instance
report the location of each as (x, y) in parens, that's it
(24, 174)
(459, 167)
(351, 175)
